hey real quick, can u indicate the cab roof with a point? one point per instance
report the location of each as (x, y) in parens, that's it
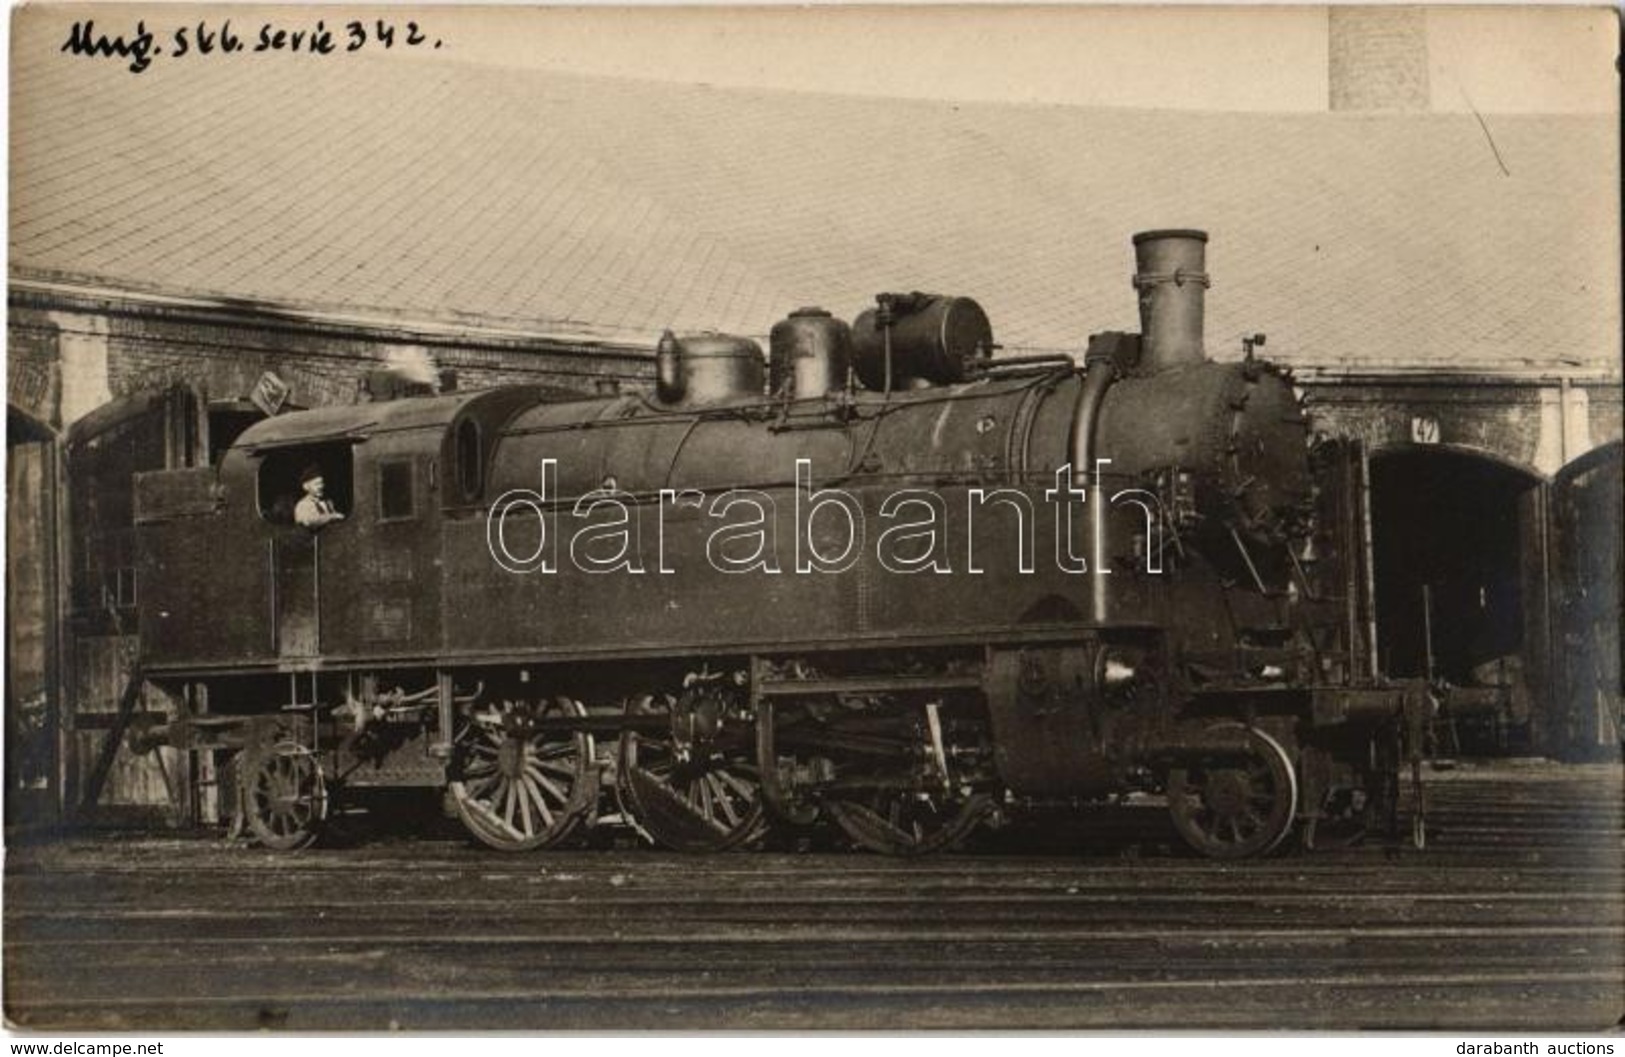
(360, 421)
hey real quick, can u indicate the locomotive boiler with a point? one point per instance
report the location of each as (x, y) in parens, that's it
(879, 577)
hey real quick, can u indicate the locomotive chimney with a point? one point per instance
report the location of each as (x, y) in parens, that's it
(1172, 282)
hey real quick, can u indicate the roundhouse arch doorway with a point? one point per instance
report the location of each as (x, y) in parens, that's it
(1458, 538)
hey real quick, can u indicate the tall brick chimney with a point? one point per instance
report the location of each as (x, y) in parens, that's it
(1378, 58)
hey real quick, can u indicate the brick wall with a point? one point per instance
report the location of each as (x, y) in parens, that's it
(1523, 423)
(322, 369)
(144, 351)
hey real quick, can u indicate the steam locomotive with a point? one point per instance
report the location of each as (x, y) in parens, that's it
(898, 585)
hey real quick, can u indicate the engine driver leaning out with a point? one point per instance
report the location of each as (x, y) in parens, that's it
(314, 509)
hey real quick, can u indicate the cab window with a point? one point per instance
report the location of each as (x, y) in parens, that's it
(396, 501)
(470, 459)
(283, 472)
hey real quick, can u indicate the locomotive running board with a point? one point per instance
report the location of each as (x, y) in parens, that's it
(867, 684)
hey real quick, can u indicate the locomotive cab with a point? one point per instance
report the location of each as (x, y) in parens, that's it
(319, 596)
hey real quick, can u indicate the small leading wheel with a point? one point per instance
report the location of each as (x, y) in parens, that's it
(693, 794)
(1239, 805)
(905, 822)
(518, 785)
(284, 796)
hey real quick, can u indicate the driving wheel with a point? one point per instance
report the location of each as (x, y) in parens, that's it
(518, 785)
(694, 794)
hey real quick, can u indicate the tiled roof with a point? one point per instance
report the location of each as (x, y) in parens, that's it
(614, 208)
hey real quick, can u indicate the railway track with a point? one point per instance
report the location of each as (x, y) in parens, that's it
(1513, 918)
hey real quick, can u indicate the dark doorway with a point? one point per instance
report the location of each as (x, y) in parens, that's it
(1448, 538)
(227, 421)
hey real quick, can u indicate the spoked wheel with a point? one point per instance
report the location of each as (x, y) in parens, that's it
(519, 786)
(284, 797)
(904, 822)
(693, 796)
(1235, 807)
